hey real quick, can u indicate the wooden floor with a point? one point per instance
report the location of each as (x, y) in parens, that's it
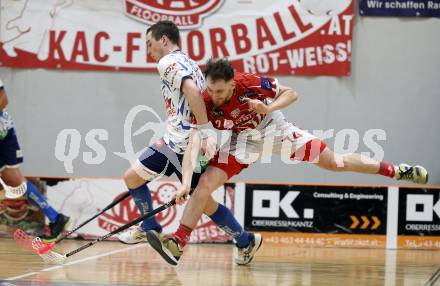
(113, 263)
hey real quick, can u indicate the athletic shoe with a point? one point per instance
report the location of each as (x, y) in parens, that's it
(133, 235)
(415, 174)
(243, 256)
(167, 247)
(57, 228)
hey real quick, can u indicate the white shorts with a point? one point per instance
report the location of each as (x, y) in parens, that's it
(274, 136)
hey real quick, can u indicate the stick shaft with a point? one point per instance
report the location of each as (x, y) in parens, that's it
(95, 216)
(124, 227)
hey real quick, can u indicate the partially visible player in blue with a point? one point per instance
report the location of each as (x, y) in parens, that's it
(182, 84)
(10, 159)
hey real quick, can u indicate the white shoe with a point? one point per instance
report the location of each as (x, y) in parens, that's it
(243, 256)
(133, 235)
(416, 174)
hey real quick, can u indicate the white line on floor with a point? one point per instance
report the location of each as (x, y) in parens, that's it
(75, 262)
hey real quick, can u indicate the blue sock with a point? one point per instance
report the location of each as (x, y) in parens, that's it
(142, 198)
(38, 200)
(224, 218)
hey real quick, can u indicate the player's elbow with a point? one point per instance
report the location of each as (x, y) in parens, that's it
(294, 96)
(3, 99)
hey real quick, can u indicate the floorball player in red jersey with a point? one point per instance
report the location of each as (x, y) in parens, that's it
(249, 106)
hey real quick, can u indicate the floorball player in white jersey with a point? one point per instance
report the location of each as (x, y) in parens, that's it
(182, 84)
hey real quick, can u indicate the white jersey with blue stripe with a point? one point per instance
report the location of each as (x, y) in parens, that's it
(174, 68)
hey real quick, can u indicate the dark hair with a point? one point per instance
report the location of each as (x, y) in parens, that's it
(219, 69)
(165, 28)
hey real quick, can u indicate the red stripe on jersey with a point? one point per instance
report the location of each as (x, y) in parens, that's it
(310, 151)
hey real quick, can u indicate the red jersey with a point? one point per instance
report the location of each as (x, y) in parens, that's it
(235, 115)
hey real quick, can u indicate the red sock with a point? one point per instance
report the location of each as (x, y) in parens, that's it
(387, 170)
(182, 235)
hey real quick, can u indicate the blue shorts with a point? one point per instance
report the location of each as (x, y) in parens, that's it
(10, 152)
(163, 161)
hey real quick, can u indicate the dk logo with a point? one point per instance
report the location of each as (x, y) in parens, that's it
(421, 208)
(268, 203)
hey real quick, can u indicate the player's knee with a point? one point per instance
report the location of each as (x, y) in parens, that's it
(205, 182)
(204, 187)
(132, 179)
(332, 166)
(13, 177)
(128, 178)
(331, 161)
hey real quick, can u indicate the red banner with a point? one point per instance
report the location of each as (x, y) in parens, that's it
(298, 37)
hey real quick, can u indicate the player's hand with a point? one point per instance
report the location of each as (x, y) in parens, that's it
(257, 106)
(182, 193)
(209, 147)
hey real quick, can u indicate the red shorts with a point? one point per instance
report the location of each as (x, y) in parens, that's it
(309, 152)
